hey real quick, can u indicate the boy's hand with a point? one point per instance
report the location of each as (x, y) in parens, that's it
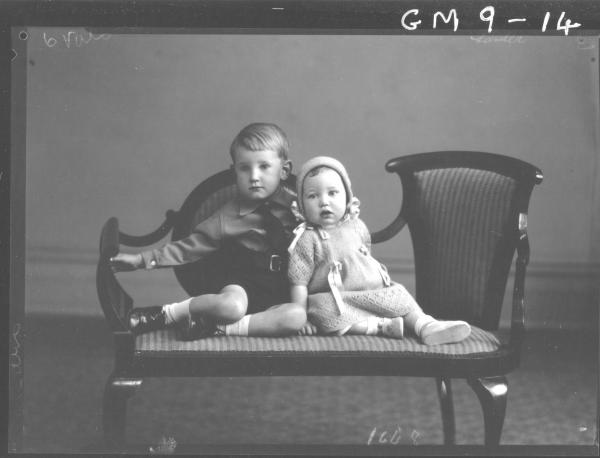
(309, 329)
(124, 262)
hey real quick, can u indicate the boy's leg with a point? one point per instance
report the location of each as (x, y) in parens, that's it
(209, 313)
(227, 306)
(278, 320)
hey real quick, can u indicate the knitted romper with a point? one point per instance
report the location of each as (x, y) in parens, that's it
(345, 283)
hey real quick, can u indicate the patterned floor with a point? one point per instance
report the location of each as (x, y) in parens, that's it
(552, 399)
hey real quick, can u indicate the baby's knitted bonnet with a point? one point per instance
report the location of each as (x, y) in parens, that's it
(322, 161)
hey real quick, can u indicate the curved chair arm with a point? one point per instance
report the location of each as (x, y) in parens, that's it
(115, 302)
(399, 222)
(391, 230)
(517, 326)
(152, 237)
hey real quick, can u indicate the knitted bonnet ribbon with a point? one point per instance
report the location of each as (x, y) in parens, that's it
(334, 278)
(303, 226)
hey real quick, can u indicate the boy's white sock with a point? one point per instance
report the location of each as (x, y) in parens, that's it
(239, 328)
(177, 311)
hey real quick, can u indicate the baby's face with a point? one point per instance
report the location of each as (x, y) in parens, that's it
(324, 198)
(258, 173)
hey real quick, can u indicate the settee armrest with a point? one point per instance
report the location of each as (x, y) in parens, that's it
(389, 231)
(517, 325)
(115, 301)
(399, 222)
(152, 237)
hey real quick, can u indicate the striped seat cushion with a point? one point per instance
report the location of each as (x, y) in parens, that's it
(164, 341)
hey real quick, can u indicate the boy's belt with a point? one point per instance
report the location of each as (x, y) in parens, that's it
(269, 261)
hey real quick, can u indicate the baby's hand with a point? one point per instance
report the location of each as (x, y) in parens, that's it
(124, 262)
(309, 329)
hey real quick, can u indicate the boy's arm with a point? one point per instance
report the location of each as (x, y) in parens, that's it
(205, 239)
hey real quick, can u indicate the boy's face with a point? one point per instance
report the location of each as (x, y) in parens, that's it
(259, 173)
(324, 198)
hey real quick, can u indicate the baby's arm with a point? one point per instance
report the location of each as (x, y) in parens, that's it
(363, 230)
(300, 271)
(299, 294)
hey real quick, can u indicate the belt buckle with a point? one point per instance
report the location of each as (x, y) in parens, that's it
(275, 263)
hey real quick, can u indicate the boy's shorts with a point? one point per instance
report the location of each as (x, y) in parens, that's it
(264, 289)
(264, 279)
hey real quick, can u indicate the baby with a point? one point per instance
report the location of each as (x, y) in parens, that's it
(332, 272)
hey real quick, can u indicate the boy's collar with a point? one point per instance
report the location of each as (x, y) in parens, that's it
(281, 196)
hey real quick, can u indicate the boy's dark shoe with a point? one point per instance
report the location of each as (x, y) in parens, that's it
(146, 319)
(196, 328)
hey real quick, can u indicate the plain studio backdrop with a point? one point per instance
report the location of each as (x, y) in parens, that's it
(127, 125)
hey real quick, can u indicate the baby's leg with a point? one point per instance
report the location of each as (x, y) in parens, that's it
(389, 327)
(435, 332)
(397, 301)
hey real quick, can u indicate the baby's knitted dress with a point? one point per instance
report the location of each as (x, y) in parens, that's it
(363, 283)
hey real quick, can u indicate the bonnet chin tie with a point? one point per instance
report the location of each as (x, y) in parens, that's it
(334, 278)
(385, 276)
(298, 231)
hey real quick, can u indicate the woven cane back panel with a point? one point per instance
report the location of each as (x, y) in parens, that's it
(461, 220)
(212, 203)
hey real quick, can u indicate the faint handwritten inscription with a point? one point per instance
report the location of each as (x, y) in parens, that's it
(583, 43)
(15, 355)
(391, 437)
(73, 38)
(508, 39)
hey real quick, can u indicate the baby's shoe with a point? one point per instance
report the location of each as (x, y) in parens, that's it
(436, 332)
(146, 319)
(392, 327)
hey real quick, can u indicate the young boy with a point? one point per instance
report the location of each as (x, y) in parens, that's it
(253, 231)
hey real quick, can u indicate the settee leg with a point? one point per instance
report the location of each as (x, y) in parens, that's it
(447, 406)
(492, 394)
(114, 409)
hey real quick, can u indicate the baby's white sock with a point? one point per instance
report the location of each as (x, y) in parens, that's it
(393, 327)
(389, 327)
(372, 326)
(177, 311)
(239, 328)
(436, 332)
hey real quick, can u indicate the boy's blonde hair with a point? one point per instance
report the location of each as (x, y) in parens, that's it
(261, 136)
